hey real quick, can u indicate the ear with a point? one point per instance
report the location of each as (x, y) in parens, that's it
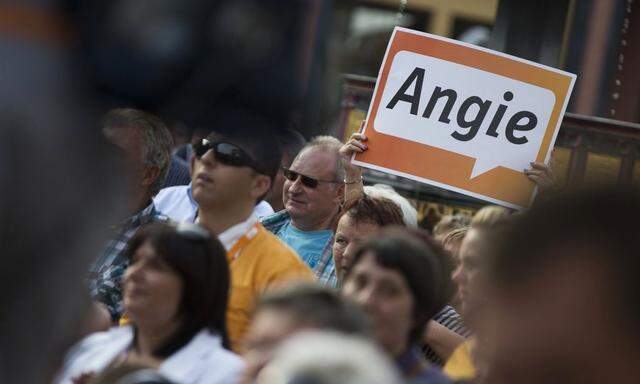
(150, 174)
(339, 197)
(192, 162)
(260, 185)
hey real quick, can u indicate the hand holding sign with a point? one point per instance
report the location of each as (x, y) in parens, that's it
(464, 118)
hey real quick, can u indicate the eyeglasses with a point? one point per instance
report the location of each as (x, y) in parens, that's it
(226, 153)
(306, 180)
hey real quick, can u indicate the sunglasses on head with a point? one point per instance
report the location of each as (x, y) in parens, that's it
(225, 153)
(306, 180)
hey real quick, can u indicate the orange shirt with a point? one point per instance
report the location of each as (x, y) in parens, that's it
(460, 365)
(258, 262)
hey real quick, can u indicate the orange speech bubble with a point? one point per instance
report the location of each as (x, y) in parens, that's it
(463, 118)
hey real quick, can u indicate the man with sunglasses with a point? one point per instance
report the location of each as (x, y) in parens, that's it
(312, 195)
(177, 202)
(232, 169)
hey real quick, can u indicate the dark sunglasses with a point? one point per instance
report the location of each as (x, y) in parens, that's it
(306, 180)
(226, 153)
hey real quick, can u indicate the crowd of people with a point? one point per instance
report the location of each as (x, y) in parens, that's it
(272, 262)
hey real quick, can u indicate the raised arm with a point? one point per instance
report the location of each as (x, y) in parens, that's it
(354, 188)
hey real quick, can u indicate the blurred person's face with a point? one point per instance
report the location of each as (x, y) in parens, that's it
(140, 175)
(152, 289)
(564, 325)
(268, 329)
(467, 274)
(313, 206)
(349, 235)
(386, 297)
(453, 248)
(215, 184)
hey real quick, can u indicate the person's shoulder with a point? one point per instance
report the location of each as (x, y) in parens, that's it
(274, 246)
(170, 193)
(278, 257)
(263, 209)
(223, 366)
(99, 339)
(275, 220)
(96, 344)
(229, 360)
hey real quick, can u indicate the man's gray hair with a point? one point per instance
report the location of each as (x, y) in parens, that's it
(329, 358)
(331, 145)
(155, 137)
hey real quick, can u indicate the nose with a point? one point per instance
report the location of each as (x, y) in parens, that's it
(296, 185)
(366, 297)
(209, 157)
(347, 254)
(134, 272)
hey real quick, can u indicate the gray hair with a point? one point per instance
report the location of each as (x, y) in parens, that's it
(156, 139)
(409, 213)
(329, 358)
(331, 145)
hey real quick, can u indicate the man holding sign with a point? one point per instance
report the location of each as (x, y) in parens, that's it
(464, 118)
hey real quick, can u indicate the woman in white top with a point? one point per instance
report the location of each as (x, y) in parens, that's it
(175, 294)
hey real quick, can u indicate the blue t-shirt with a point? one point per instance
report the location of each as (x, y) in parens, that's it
(309, 245)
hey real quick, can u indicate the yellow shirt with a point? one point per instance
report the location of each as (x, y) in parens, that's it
(262, 262)
(460, 365)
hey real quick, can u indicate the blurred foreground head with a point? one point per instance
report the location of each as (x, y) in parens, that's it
(284, 312)
(58, 193)
(566, 282)
(399, 280)
(329, 358)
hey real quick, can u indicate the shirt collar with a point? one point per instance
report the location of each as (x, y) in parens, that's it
(190, 195)
(142, 217)
(229, 237)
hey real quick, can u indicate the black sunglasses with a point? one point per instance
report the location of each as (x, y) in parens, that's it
(306, 180)
(226, 153)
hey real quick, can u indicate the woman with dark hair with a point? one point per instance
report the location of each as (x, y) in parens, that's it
(175, 293)
(399, 281)
(365, 217)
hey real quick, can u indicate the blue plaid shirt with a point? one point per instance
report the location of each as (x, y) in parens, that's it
(105, 274)
(323, 267)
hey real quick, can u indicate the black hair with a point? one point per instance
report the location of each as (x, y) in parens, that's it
(291, 143)
(603, 219)
(317, 306)
(201, 262)
(256, 134)
(398, 249)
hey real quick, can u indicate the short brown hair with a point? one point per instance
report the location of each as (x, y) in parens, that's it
(156, 139)
(316, 306)
(378, 211)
